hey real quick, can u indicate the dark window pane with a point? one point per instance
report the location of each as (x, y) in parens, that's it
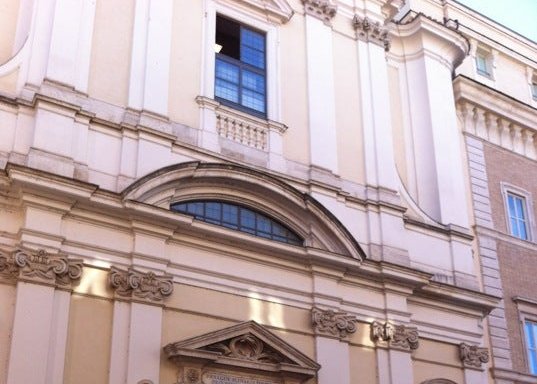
(230, 214)
(253, 100)
(227, 71)
(226, 90)
(253, 39)
(247, 219)
(228, 37)
(227, 215)
(253, 81)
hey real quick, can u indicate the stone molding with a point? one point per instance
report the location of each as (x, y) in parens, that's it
(41, 267)
(397, 336)
(472, 355)
(139, 285)
(328, 322)
(371, 31)
(323, 10)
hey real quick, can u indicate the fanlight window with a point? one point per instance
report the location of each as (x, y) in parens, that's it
(239, 218)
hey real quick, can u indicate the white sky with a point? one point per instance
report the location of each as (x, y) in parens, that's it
(517, 15)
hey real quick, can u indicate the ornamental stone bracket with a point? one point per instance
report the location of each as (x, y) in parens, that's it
(473, 356)
(370, 31)
(323, 10)
(136, 285)
(396, 336)
(331, 323)
(40, 267)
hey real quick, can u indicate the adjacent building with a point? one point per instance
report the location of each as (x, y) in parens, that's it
(265, 191)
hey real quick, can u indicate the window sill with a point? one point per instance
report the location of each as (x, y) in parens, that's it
(241, 126)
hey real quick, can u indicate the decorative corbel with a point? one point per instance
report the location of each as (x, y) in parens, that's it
(328, 322)
(135, 284)
(397, 336)
(324, 10)
(40, 267)
(472, 355)
(371, 31)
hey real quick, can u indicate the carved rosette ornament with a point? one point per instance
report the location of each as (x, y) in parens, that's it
(472, 355)
(371, 31)
(333, 323)
(140, 285)
(321, 9)
(397, 336)
(248, 347)
(40, 266)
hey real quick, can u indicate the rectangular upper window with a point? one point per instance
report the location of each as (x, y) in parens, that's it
(482, 64)
(530, 330)
(240, 67)
(518, 217)
(534, 89)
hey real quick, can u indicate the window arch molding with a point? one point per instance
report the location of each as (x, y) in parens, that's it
(438, 381)
(257, 190)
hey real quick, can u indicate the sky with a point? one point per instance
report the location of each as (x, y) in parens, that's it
(517, 15)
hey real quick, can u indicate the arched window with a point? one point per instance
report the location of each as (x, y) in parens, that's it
(237, 217)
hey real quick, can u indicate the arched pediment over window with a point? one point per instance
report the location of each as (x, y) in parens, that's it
(274, 10)
(439, 381)
(300, 213)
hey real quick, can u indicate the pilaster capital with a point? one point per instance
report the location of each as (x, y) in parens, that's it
(331, 323)
(137, 285)
(324, 10)
(472, 355)
(396, 336)
(40, 267)
(371, 31)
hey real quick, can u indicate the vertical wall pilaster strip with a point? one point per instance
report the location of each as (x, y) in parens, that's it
(321, 96)
(157, 67)
(34, 69)
(490, 268)
(144, 343)
(333, 356)
(138, 54)
(58, 337)
(32, 327)
(120, 343)
(400, 367)
(70, 46)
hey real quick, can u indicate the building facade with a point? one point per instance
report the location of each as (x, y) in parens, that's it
(265, 191)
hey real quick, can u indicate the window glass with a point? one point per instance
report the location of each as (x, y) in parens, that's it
(534, 89)
(482, 64)
(240, 218)
(530, 329)
(240, 75)
(518, 223)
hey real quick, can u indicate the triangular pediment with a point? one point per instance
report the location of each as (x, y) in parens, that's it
(274, 10)
(245, 345)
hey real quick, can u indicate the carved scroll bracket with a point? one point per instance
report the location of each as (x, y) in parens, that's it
(145, 286)
(396, 336)
(337, 324)
(324, 10)
(371, 31)
(472, 355)
(40, 267)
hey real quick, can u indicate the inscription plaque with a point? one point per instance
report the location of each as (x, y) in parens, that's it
(226, 378)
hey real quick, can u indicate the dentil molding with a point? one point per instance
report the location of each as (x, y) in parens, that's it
(135, 284)
(332, 323)
(40, 267)
(472, 355)
(321, 9)
(397, 336)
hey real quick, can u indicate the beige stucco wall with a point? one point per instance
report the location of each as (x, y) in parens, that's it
(293, 90)
(111, 51)
(88, 342)
(397, 124)
(185, 62)
(348, 119)
(434, 359)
